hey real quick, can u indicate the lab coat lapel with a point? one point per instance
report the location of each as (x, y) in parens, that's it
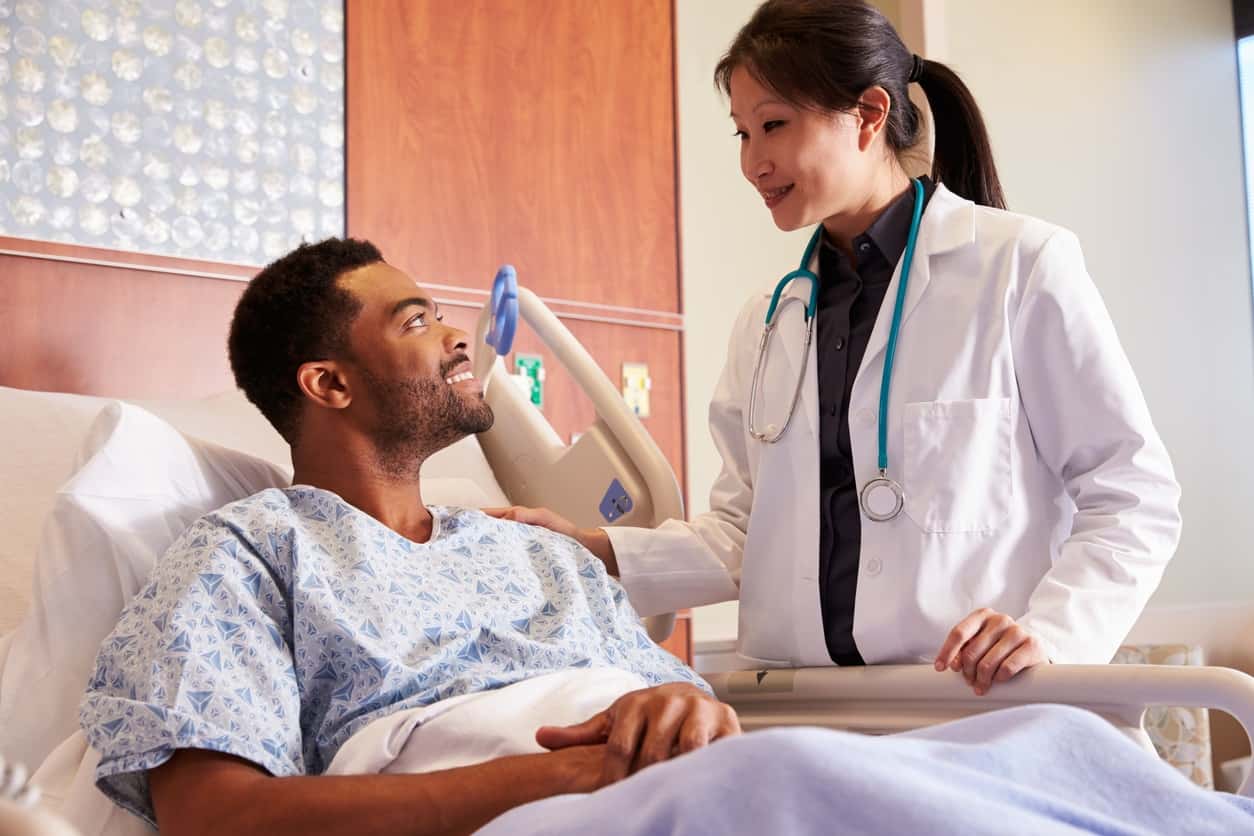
(784, 577)
(947, 223)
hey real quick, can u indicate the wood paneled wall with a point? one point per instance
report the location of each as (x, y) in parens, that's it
(88, 328)
(539, 133)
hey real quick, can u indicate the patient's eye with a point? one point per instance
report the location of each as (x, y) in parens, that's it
(767, 127)
(740, 135)
(418, 320)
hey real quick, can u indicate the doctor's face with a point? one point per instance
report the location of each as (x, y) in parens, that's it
(409, 373)
(806, 165)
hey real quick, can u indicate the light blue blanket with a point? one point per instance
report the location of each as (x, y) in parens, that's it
(1034, 769)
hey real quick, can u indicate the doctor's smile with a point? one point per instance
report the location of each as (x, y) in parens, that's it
(774, 196)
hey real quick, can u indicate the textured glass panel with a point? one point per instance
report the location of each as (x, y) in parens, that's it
(206, 129)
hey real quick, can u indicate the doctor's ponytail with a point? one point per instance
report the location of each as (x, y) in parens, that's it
(963, 156)
(822, 54)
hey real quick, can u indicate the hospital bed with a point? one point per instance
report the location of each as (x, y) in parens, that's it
(613, 474)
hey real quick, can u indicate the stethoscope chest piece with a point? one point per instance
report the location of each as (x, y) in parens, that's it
(882, 498)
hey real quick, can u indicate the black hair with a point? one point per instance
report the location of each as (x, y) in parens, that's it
(823, 54)
(291, 313)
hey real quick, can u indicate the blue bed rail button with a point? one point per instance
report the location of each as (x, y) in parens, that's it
(504, 307)
(616, 502)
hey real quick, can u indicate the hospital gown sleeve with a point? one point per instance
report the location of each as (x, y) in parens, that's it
(198, 660)
(622, 628)
(687, 564)
(1092, 427)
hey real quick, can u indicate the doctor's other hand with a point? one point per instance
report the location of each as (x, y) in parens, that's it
(987, 647)
(648, 726)
(594, 540)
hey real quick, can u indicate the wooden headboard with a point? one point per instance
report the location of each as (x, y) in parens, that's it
(101, 322)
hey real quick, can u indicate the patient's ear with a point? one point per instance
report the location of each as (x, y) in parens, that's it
(323, 382)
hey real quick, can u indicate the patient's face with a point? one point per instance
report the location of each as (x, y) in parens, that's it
(410, 375)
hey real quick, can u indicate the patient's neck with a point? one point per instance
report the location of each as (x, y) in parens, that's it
(353, 473)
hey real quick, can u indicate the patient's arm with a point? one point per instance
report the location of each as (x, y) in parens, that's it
(199, 791)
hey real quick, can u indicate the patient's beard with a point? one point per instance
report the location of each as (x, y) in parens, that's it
(419, 417)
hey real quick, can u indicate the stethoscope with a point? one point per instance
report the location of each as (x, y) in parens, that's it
(881, 498)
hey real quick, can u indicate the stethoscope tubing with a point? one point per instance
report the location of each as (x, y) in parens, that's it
(772, 433)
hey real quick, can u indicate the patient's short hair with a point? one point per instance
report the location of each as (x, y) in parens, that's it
(291, 313)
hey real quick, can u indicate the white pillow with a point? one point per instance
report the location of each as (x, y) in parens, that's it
(142, 487)
(460, 475)
(40, 433)
(41, 446)
(228, 419)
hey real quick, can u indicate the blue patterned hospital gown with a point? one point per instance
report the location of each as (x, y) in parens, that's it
(280, 625)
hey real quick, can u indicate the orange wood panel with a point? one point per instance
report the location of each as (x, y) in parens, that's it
(97, 330)
(538, 133)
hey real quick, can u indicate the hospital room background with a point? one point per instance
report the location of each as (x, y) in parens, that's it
(583, 142)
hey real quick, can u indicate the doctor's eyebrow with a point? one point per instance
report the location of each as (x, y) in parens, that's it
(416, 302)
(732, 113)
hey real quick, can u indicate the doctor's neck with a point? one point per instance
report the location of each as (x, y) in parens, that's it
(887, 184)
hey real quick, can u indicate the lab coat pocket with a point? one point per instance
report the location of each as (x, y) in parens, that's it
(957, 464)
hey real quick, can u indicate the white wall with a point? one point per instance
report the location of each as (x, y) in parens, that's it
(1118, 120)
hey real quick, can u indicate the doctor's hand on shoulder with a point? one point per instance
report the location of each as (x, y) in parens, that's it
(987, 647)
(594, 540)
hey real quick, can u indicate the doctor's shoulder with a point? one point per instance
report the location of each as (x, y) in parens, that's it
(755, 304)
(997, 228)
(747, 326)
(1024, 245)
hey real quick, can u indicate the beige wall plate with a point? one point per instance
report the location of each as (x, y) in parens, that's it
(636, 386)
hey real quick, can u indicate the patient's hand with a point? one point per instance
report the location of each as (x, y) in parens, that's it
(594, 540)
(989, 647)
(646, 727)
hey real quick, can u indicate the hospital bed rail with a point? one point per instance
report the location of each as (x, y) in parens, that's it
(614, 474)
(884, 699)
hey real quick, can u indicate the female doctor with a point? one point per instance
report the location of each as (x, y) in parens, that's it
(934, 448)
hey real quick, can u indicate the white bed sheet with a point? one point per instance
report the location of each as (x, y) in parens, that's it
(474, 728)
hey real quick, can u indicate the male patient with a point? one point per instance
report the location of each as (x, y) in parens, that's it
(279, 626)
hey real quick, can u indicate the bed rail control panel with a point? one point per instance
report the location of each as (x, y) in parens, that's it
(616, 502)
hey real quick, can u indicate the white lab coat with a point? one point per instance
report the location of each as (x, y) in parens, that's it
(1035, 482)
